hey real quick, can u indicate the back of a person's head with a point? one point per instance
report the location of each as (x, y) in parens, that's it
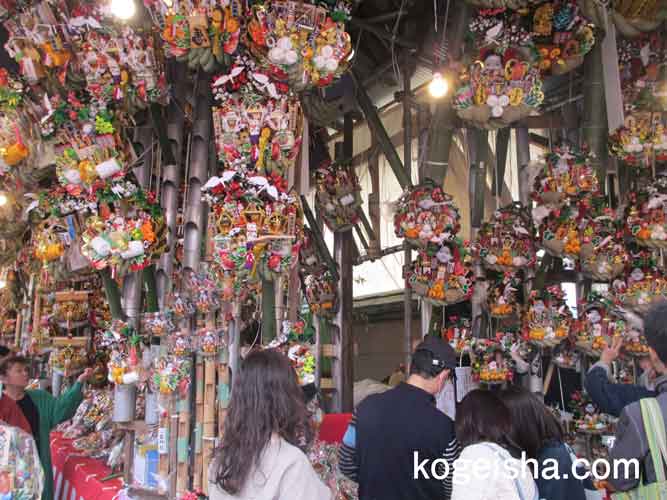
(482, 417)
(655, 330)
(421, 364)
(4, 351)
(266, 399)
(532, 423)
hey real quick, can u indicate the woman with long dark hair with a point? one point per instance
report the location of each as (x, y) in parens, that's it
(486, 469)
(266, 430)
(539, 435)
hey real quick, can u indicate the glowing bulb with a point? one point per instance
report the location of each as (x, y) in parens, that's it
(3, 283)
(438, 87)
(3, 199)
(123, 9)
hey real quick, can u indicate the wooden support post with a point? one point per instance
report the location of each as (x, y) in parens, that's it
(268, 311)
(407, 253)
(374, 199)
(522, 160)
(343, 253)
(318, 350)
(502, 143)
(279, 302)
(377, 129)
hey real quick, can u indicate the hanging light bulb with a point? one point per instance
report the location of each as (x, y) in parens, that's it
(438, 87)
(123, 9)
(3, 199)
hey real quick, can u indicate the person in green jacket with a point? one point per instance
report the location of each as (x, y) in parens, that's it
(41, 411)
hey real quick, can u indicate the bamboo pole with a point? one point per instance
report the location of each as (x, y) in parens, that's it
(182, 463)
(209, 416)
(112, 293)
(165, 404)
(199, 457)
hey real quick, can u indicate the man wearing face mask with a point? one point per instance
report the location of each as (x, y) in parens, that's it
(392, 432)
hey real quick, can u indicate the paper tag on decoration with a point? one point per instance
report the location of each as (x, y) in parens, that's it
(441, 273)
(163, 440)
(291, 224)
(65, 238)
(87, 152)
(464, 382)
(108, 168)
(346, 200)
(251, 228)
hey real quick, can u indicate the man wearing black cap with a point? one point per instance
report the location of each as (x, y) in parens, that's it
(399, 446)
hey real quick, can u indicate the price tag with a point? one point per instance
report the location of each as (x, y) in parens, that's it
(163, 440)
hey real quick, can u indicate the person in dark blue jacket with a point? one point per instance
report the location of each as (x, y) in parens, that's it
(539, 435)
(611, 398)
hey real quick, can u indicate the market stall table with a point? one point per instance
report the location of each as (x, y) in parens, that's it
(77, 477)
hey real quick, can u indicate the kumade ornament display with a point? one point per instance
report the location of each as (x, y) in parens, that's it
(507, 242)
(322, 294)
(641, 289)
(603, 254)
(302, 44)
(547, 320)
(446, 277)
(640, 60)
(565, 173)
(491, 364)
(121, 242)
(561, 34)
(205, 38)
(641, 141)
(257, 122)
(503, 296)
(426, 217)
(632, 18)
(338, 195)
(646, 215)
(498, 89)
(595, 326)
(559, 233)
(309, 257)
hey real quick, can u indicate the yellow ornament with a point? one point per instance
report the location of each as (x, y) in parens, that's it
(87, 171)
(516, 96)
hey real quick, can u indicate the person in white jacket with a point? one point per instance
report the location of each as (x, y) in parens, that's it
(266, 430)
(486, 470)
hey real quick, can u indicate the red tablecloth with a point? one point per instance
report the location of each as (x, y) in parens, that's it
(333, 427)
(76, 477)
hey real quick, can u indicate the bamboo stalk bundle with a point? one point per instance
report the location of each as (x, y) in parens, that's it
(200, 157)
(172, 174)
